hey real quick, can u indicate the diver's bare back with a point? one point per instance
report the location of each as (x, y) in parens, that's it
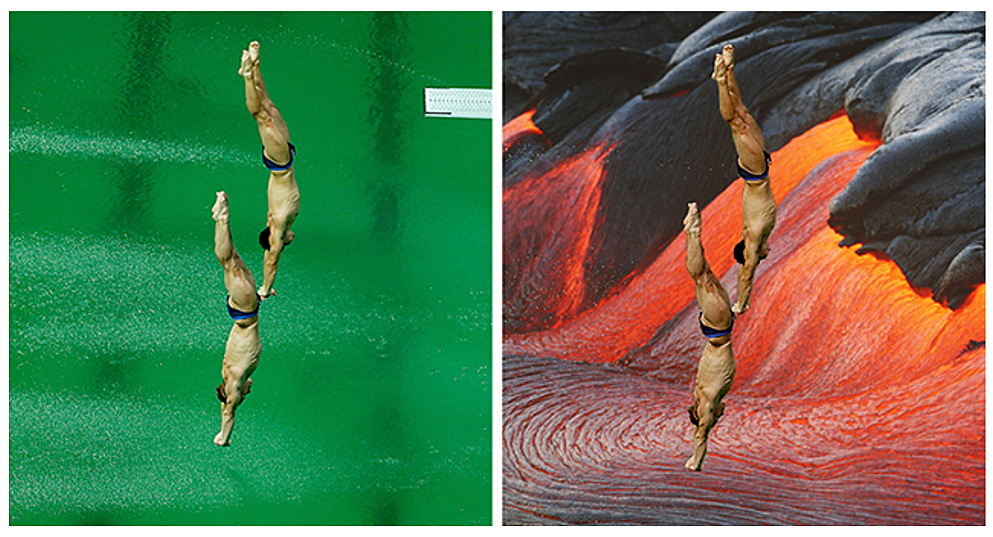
(714, 377)
(758, 210)
(283, 194)
(284, 199)
(241, 353)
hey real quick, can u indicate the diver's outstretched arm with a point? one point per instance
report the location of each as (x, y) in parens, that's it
(271, 262)
(746, 275)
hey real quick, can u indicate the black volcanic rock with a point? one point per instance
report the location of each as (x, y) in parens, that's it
(921, 198)
(534, 42)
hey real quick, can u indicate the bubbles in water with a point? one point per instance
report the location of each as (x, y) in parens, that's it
(48, 141)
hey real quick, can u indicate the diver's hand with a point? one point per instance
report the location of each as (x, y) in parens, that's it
(266, 293)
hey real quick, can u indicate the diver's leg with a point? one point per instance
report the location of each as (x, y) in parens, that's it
(238, 279)
(223, 245)
(711, 296)
(748, 140)
(272, 128)
(696, 263)
(739, 105)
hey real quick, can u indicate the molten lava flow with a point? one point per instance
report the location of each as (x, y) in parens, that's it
(857, 399)
(826, 320)
(566, 200)
(631, 315)
(521, 127)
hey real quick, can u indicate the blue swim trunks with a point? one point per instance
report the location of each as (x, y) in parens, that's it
(279, 167)
(751, 176)
(239, 315)
(712, 333)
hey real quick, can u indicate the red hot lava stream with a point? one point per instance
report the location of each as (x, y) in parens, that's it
(857, 399)
(551, 281)
(519, 128)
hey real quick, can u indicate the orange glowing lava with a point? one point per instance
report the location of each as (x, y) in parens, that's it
(566, 200)
(855, 397)
(842, 318)
(519, 128)
(631, 314)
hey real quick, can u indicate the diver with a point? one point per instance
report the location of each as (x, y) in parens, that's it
(715, 371)
(277, 155)
(758, 215)
(241, 355)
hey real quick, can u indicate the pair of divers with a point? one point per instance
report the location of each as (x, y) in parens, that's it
(241, 354)
(715, 372)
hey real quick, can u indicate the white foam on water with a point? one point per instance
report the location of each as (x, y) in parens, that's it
(125, 453)
(371, 56)
(83, 295)
(49, 141)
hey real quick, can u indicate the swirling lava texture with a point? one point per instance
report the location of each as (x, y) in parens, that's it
(859, 395)
(857, 399)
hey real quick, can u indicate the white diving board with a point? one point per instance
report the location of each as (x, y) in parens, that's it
(458, 102)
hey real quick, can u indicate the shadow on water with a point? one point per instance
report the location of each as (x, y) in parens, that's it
(118, 373)
(147, 35)
(97, 517)
(388, 41)
(387, 87)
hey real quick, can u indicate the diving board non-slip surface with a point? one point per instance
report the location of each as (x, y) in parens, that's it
(458, 102)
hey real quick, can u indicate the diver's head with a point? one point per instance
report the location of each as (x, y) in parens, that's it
(739, 252)
(264, 238)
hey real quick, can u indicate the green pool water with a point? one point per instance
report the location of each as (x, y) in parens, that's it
(372, 400)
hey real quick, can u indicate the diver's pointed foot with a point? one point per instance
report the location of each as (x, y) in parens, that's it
(738, 308)
(220, 209)
(253, 51)
(692, 223)
(245, 69)
(720, 73)
(728, 54)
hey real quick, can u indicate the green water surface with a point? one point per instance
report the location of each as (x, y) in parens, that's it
(372, 400)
